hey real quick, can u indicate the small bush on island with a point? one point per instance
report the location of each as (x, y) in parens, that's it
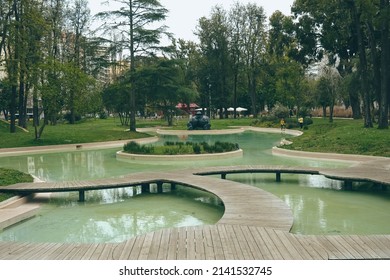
(180, 148)
(135, 148)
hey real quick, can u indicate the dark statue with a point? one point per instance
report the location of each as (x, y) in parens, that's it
(199, 122)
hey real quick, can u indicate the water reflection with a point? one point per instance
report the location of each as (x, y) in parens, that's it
(67, 166)
(320, 206)
(122, 216)
(80, 165)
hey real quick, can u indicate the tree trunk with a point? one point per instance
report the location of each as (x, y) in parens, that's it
(383, 122)
(363, 67)
(252, 91)
(13, 109)
(132, 70)
(21, 108)
(355, 105)
(331, 110)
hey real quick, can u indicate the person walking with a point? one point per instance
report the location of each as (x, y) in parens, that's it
(282, 124)
(300, 121)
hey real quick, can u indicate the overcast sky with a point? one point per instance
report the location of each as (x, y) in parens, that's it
(184, 14)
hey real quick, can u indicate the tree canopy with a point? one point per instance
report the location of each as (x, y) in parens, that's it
(326, 53)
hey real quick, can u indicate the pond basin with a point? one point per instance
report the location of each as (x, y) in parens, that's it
(319, 205)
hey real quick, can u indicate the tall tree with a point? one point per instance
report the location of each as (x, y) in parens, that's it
(186, 53)
(47, 95)
(385, 64)
(162, 83)
(213, 35)
(355, 34)
(236, 27)
(284, 71)
(363, 66)
(78, 18)
(329, 89)
(134, 20)
(254, 44)
(326, 27)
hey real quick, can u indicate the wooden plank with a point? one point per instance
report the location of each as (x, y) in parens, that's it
(250, 239)
(354, 250)
(190, 244)
(217, 244)
(334, 250)
(361, 247)
(229, 243)
(311, 247)
(243, 244)
(164, 244)
(59, 252)
(16, 251)
(144, 253)
(292, 252)
(279, 245)
(89, 252)
(155, 245)
(182, 244)
(106, 253)
(261, 245)
(340, 245)
(270, 244)
(13, 250)
(208, 241)
(98, 251)
(74, 250)
(173, 244)
(199, 244)
(36, 250)
(302, 250)
(138, 244)
(45, 254)
(82, 250)
(381, 245)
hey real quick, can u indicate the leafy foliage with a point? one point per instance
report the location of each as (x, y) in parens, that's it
(180, 148)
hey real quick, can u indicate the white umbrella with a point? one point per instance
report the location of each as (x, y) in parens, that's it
(230, 109)
(240, 109)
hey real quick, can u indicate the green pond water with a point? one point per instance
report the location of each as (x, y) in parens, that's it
(319, 205)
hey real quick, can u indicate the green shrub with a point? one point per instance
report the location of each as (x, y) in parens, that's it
(280, 111)
(67, 117)
(103, 115)
(135, 148)
(197, 148)
(180, 148)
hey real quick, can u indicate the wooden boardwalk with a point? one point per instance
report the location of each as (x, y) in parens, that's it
(217, 242)
(255, 225)
(212, 242)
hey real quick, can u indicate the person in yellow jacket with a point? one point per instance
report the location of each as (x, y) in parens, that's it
(300, 121)
(282, 124)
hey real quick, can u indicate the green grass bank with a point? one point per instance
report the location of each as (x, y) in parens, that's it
(343, 136)
(10, 177)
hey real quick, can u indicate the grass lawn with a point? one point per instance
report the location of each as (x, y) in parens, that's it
(83, 132)
(9, 177)
(344, 137)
